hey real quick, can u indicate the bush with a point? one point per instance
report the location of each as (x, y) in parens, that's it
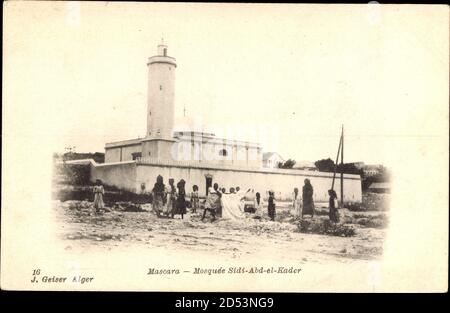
(379, 221)
(325, 227)
(74, 174)
(112, 195)
(321, 212)
(355, 207)
(64, 195)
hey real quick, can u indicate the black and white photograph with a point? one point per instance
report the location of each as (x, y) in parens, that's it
(225, 147)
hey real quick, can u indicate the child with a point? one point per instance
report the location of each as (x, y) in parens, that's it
(334, 216)
(194, 199)
(271, 206)
(99, 191)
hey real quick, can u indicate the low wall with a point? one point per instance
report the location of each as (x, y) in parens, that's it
(121, 175)
(131, 175)
(281, 181)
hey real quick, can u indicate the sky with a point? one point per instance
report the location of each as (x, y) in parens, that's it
(288, 76)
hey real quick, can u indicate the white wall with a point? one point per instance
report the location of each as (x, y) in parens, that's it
(282, 183)
(210, 152)
(130, 176)
(160, 99)
(121, 175)
(113, 154)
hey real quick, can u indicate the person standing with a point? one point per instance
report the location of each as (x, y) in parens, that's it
(240, 198)
(180, 204)
(195, 200)
(271, 206)
(251, 198)
(171, 197)
(258, 204)
(296, 203)
(333, 214)
(159, 195)
(213, 201)
(308, 201)
(99, 191)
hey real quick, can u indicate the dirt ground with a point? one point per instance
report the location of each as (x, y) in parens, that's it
(116, 229)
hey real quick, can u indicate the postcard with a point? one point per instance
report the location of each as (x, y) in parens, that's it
(225, 147)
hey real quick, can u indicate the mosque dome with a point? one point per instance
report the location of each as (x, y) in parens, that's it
(191, 124)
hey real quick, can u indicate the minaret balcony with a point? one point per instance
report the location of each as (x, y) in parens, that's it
(162, 59)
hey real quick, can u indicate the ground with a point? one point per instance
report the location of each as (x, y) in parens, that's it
(282, 240)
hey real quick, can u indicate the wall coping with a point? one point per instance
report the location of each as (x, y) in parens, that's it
(114, 163)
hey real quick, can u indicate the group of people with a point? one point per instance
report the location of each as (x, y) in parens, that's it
(171, 200)
(304, 204)
(226, 205)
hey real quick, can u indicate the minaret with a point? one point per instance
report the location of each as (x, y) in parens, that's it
(161, 94)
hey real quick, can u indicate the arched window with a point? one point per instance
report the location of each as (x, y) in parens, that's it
(223, 152)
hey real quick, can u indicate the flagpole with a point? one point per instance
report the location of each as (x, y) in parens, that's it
(335, 163)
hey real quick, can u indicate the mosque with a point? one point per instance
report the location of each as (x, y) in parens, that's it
(161, 142)
(199, 157)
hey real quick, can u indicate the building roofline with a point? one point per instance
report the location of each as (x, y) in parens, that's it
(122, 143)
(217, 140)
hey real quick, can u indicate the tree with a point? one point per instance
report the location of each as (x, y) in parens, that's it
(349, 168)
(325, 165)
(98, 157)
(288, 164)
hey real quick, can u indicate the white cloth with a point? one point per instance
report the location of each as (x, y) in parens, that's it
(241, 197)
(232, 206)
